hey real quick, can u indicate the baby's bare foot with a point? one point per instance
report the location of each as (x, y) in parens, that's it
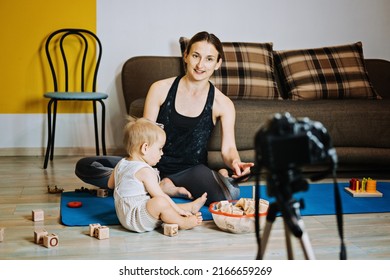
(199, 217)
(192, 221)
(198, 203)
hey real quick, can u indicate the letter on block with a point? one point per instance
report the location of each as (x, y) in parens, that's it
(102, 232)
(39, 234)
(38, 215)
(171, 229)
(2, 230)
(92, 228)
(50, 240)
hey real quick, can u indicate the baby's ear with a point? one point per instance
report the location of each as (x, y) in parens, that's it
(144, 148)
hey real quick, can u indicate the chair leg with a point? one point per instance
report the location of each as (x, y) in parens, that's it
(49, 136)
(53, 129)
(103, 127)
(96, 128)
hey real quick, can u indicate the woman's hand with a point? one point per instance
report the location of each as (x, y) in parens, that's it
(241, 169)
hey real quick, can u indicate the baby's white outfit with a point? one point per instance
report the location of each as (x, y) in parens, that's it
(131, 196)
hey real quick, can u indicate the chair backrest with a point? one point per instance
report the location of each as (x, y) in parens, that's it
(74, 57)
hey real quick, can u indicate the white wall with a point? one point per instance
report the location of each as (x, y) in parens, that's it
(152, 27)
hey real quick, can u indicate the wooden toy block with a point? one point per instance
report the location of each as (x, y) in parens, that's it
(50, 240)
(38, 215)
(54, 190)
(102, 232)
(2, 231)
(222, 203)
(171, 229)
(92, 228)
(102, 193)
(39, 234)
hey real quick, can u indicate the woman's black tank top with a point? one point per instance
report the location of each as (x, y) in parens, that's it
(187, 137)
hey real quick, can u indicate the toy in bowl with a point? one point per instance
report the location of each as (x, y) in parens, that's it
(238, 216)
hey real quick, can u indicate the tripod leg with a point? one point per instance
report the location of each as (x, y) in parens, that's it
(271, 216)
(305, 243)
(266, 233)
(293, 225)
(287, 234)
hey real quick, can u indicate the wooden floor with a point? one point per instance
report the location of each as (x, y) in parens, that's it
(23, 187)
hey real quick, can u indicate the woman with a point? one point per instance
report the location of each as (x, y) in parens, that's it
(188, 107)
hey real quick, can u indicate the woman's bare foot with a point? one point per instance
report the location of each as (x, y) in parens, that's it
(198, 203)
(223, 172)
(170, 189)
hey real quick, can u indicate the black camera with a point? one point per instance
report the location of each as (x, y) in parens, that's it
(284, 144)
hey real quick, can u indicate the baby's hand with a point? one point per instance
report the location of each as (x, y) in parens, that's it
(185, 213)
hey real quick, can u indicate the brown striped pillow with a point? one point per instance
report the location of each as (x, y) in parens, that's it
(247, 70)
(336, 72)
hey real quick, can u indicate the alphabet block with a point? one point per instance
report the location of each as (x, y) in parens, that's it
(38, 215)
(102, 193)
(2, 230)
(171, 229)
(50, 240)
(92, 228)
(39, 234)
(102, 232)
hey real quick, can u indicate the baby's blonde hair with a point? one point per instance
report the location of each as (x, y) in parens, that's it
(139, 131)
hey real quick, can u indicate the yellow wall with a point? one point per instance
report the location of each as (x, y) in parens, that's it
(24, 26)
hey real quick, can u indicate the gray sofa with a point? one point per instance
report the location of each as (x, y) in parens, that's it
(360, 129)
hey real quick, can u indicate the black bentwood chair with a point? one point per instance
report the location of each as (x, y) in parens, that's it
(74, 56)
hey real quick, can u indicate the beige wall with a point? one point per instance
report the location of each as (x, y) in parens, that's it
(152, 27)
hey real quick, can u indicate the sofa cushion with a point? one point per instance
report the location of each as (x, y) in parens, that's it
(247, 70)
(336, 72)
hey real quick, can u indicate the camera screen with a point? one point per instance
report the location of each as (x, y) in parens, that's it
(288, 151)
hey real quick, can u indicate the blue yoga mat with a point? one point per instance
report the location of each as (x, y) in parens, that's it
(94, 210)
(318, 200)
(98, 210)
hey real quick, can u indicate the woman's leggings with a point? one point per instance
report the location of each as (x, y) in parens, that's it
(200, 179)
(197, 180)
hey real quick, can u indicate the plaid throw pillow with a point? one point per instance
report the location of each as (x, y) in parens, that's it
(247, 70)
(336, 72)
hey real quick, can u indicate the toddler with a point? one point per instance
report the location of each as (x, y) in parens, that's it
(140, 203)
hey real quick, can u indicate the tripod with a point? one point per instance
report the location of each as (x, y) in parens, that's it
(293, 224)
